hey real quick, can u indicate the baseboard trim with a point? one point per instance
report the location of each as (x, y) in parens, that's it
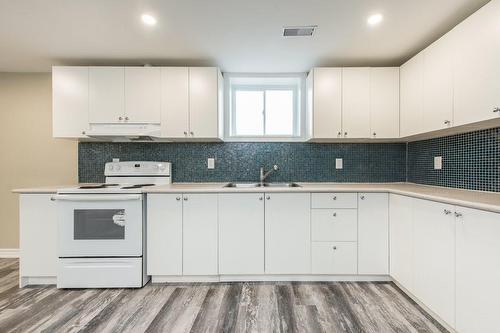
(9, 253)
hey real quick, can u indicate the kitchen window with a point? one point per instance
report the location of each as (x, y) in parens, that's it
(264, 108)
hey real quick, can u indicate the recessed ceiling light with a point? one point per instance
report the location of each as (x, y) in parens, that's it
(148, 19)
(374, 19)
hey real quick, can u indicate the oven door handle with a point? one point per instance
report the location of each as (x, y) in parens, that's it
(97, 197)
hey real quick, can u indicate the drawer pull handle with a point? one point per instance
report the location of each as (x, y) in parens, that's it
(334, 247)
(334, 214)
(335, 198)
(178, 198)
(362, 197)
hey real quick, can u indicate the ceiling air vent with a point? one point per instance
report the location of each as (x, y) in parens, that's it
(304, 31)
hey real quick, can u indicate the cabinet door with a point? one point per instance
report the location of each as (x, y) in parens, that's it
(373, 233)
(203, 102)
(241, 233)
(477, 69)
(411, 94)
(328, 225)
(384, 102)
(356, 102)
(38, 235)
(327, 103)
(70, 101)
(164, 234)
(142, 95)
(288, 245)
(401, 239)
(478, 271)
(434, 253)
(106, 95)
(200, 234)
(438, 84)
(175, 102)
(334, 258)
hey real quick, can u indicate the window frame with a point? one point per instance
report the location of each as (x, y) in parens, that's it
(299, 116)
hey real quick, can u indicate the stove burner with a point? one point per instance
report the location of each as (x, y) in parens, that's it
(136, 186)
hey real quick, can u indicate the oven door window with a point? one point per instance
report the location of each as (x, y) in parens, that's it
(99, 224)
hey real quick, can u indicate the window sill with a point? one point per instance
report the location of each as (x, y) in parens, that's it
(264, 139)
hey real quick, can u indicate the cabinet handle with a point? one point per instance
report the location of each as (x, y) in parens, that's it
(52, 199)
(447, 122)
(497, 109)
(334, 247)
(185, 199)
(126, 118)
(178, 198)
(458, 214)
(261, 198)
(334, 198)
(374, 133)
(120, 118)
(334, 214)
(447, 212)
(339, 134)
(345, 133)
(268, 197)
(192, 133)
(362, 197)
(185, 133)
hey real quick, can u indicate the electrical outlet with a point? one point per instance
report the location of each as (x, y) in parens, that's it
(339, 163)
(438, 162)
(211, 163)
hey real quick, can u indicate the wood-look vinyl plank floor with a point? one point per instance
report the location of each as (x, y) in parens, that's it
(336, 307)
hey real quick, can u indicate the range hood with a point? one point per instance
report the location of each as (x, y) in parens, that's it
(124, 132)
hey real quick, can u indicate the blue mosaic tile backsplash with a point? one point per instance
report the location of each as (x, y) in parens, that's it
(470, 161)
(306, 162)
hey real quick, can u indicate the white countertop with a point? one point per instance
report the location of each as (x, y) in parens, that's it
(489, 201)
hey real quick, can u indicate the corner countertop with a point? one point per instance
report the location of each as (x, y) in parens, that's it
(489, 201)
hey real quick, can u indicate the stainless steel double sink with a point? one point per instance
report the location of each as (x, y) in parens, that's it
(255, 185)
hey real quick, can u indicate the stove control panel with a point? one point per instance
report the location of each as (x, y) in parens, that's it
(138, 168)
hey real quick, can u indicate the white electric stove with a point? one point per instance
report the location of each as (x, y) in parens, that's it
(101, 227)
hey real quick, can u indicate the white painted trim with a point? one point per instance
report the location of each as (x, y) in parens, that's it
(269, 278)
(9, 253)
(423, 306)
(36, 280)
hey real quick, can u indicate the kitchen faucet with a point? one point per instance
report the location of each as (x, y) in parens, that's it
(264, 175)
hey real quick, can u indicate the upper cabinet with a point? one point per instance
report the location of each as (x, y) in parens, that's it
(185, 102)
(191, 102)
(353, 103)
(70, 97)
(411, 94)
(325, 102)
(477, 66)
(356, 102)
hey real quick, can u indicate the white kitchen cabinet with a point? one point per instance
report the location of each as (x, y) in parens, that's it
(205, 84)
(175, 102)
(328, 225)
(437, 110)
(334, 258)
(411, 96)
(200, 241)
(334, 200)
(164, 234)
(384, 102)
(106, 95)
(70, 101)
(142, 95)
(434, 257)
(477, 270)
(373, 233)
(241, 233)
(401, 240)
(287, 230)
(356, 102)
(476, 66)
(326, 102)
(38, 236)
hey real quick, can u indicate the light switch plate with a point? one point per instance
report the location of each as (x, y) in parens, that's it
(438, 162)
(211, 163)
(339, 164)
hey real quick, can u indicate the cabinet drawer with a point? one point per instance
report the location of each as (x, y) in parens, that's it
(334, 200)
(334, 258)
(334, 225)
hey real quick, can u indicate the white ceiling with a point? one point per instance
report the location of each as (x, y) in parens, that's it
(238, 36)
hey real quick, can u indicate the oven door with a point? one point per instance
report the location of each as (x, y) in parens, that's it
(99, 225)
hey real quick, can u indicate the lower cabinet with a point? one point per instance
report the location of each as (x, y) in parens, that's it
(164, 234)
(199, 237)
(373, 233)
(334, 258)
(38, 235)
(287, 233)
(241, 233)
(478, 270)
(434, 257)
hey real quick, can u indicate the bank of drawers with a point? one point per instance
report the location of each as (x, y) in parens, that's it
(334, 233)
